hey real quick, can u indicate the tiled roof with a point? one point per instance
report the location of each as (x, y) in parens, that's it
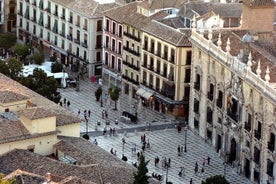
(88, 8)
(160, 4)
(256, 3)
(7, 96)
(174, 22)
(7, 84)
(168, 34)
(99, 163)
(122, 12)
(201, 8)
(257, 51)
(64, 119)
(36, 113)
(11, 131)
(25, 177)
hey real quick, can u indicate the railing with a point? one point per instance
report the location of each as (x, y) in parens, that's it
(84, 44)
(219, 103)
(247, 126)
(197, 86)
(271, 146)
(234, 63)
(69, 37)
(77, 41)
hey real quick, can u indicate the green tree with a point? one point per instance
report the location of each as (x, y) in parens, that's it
(7, 40)
(11, 67)
(3, 181)
(218, 179)
(38, 57)
(22, 50)
(140, 176)
(114, 94)
(56, 67)
(40, 83)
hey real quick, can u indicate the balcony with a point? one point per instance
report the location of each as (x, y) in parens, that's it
(219, 103)
(56, 13)
(12, 16)
(20, 13)
(84, 28)
(48, 10)
(271, 146)
(197, 86)
(77, 24)
(62, 34)
(77, 41)
(62, 17)
(33, 19)
(232, 115)
(47, 26)
(69, 37)
(210, 96)
(84, 44)
(257, 134)
(34, 3)
(247, 126)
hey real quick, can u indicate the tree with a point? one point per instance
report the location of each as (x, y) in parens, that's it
(114, 94)
(38, 57)
(22, 50)
(56, 67)
(3, 181)
(140, 177)
(7, 40)
(218, 179)
(40, 83)
(11, 67)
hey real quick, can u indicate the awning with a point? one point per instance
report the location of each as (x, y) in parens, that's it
(140, 91)
(169, 101)
(144, 93)
(59, 50)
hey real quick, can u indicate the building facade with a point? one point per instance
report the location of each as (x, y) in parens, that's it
(232, 100)
(68, 32)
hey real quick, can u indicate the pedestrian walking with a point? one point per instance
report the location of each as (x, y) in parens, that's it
(111, 151)
(138, 155)
(191, 181)
(178, 150)
(95, 142)
(169, 162)
(208, 160)
(64, 101)
(202, 171)
(68, 103)
(103, 114)
(203, 162)
(196, 168)
(79, 113)
(110, 131)
(113, 131)
(89, 113)
(60, 103)
(106, 114)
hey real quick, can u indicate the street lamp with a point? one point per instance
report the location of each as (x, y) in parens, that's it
(185, 130)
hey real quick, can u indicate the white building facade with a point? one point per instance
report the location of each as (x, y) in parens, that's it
(68, 32)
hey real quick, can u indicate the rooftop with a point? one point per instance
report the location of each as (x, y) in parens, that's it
(7, 96)
(96, 163)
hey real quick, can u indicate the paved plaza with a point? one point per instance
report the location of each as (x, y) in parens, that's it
(159, 130)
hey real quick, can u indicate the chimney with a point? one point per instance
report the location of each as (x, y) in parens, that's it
(48, 176)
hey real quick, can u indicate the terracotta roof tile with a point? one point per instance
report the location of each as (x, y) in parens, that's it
(201, 8)
(36, 113)
(7, 96)
(160, 4)
(122, 12)
(168, 34)
(256, 3)
(36, 100)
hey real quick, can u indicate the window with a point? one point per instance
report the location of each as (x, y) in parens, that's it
(219, 100)
(107, 41)
(210, 92)
(106, 58)
(196, 105)
(99, 25)
(113, 62)
(71, 17)
(187, 75)
(119, 65)
(120, 48)
(78, 21)
(120, 31)
(165, 56)
(113, 45)
(85, 24)
(113, 27)
(146, 43)
(107, 25)
(84, 55)
(172, 56)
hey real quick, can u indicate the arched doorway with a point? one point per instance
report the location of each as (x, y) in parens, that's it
(233, 151)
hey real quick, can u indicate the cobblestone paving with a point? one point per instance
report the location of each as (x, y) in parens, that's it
(164, 143)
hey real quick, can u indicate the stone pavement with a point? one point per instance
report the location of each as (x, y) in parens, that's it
(85, 99)
(164, 142)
